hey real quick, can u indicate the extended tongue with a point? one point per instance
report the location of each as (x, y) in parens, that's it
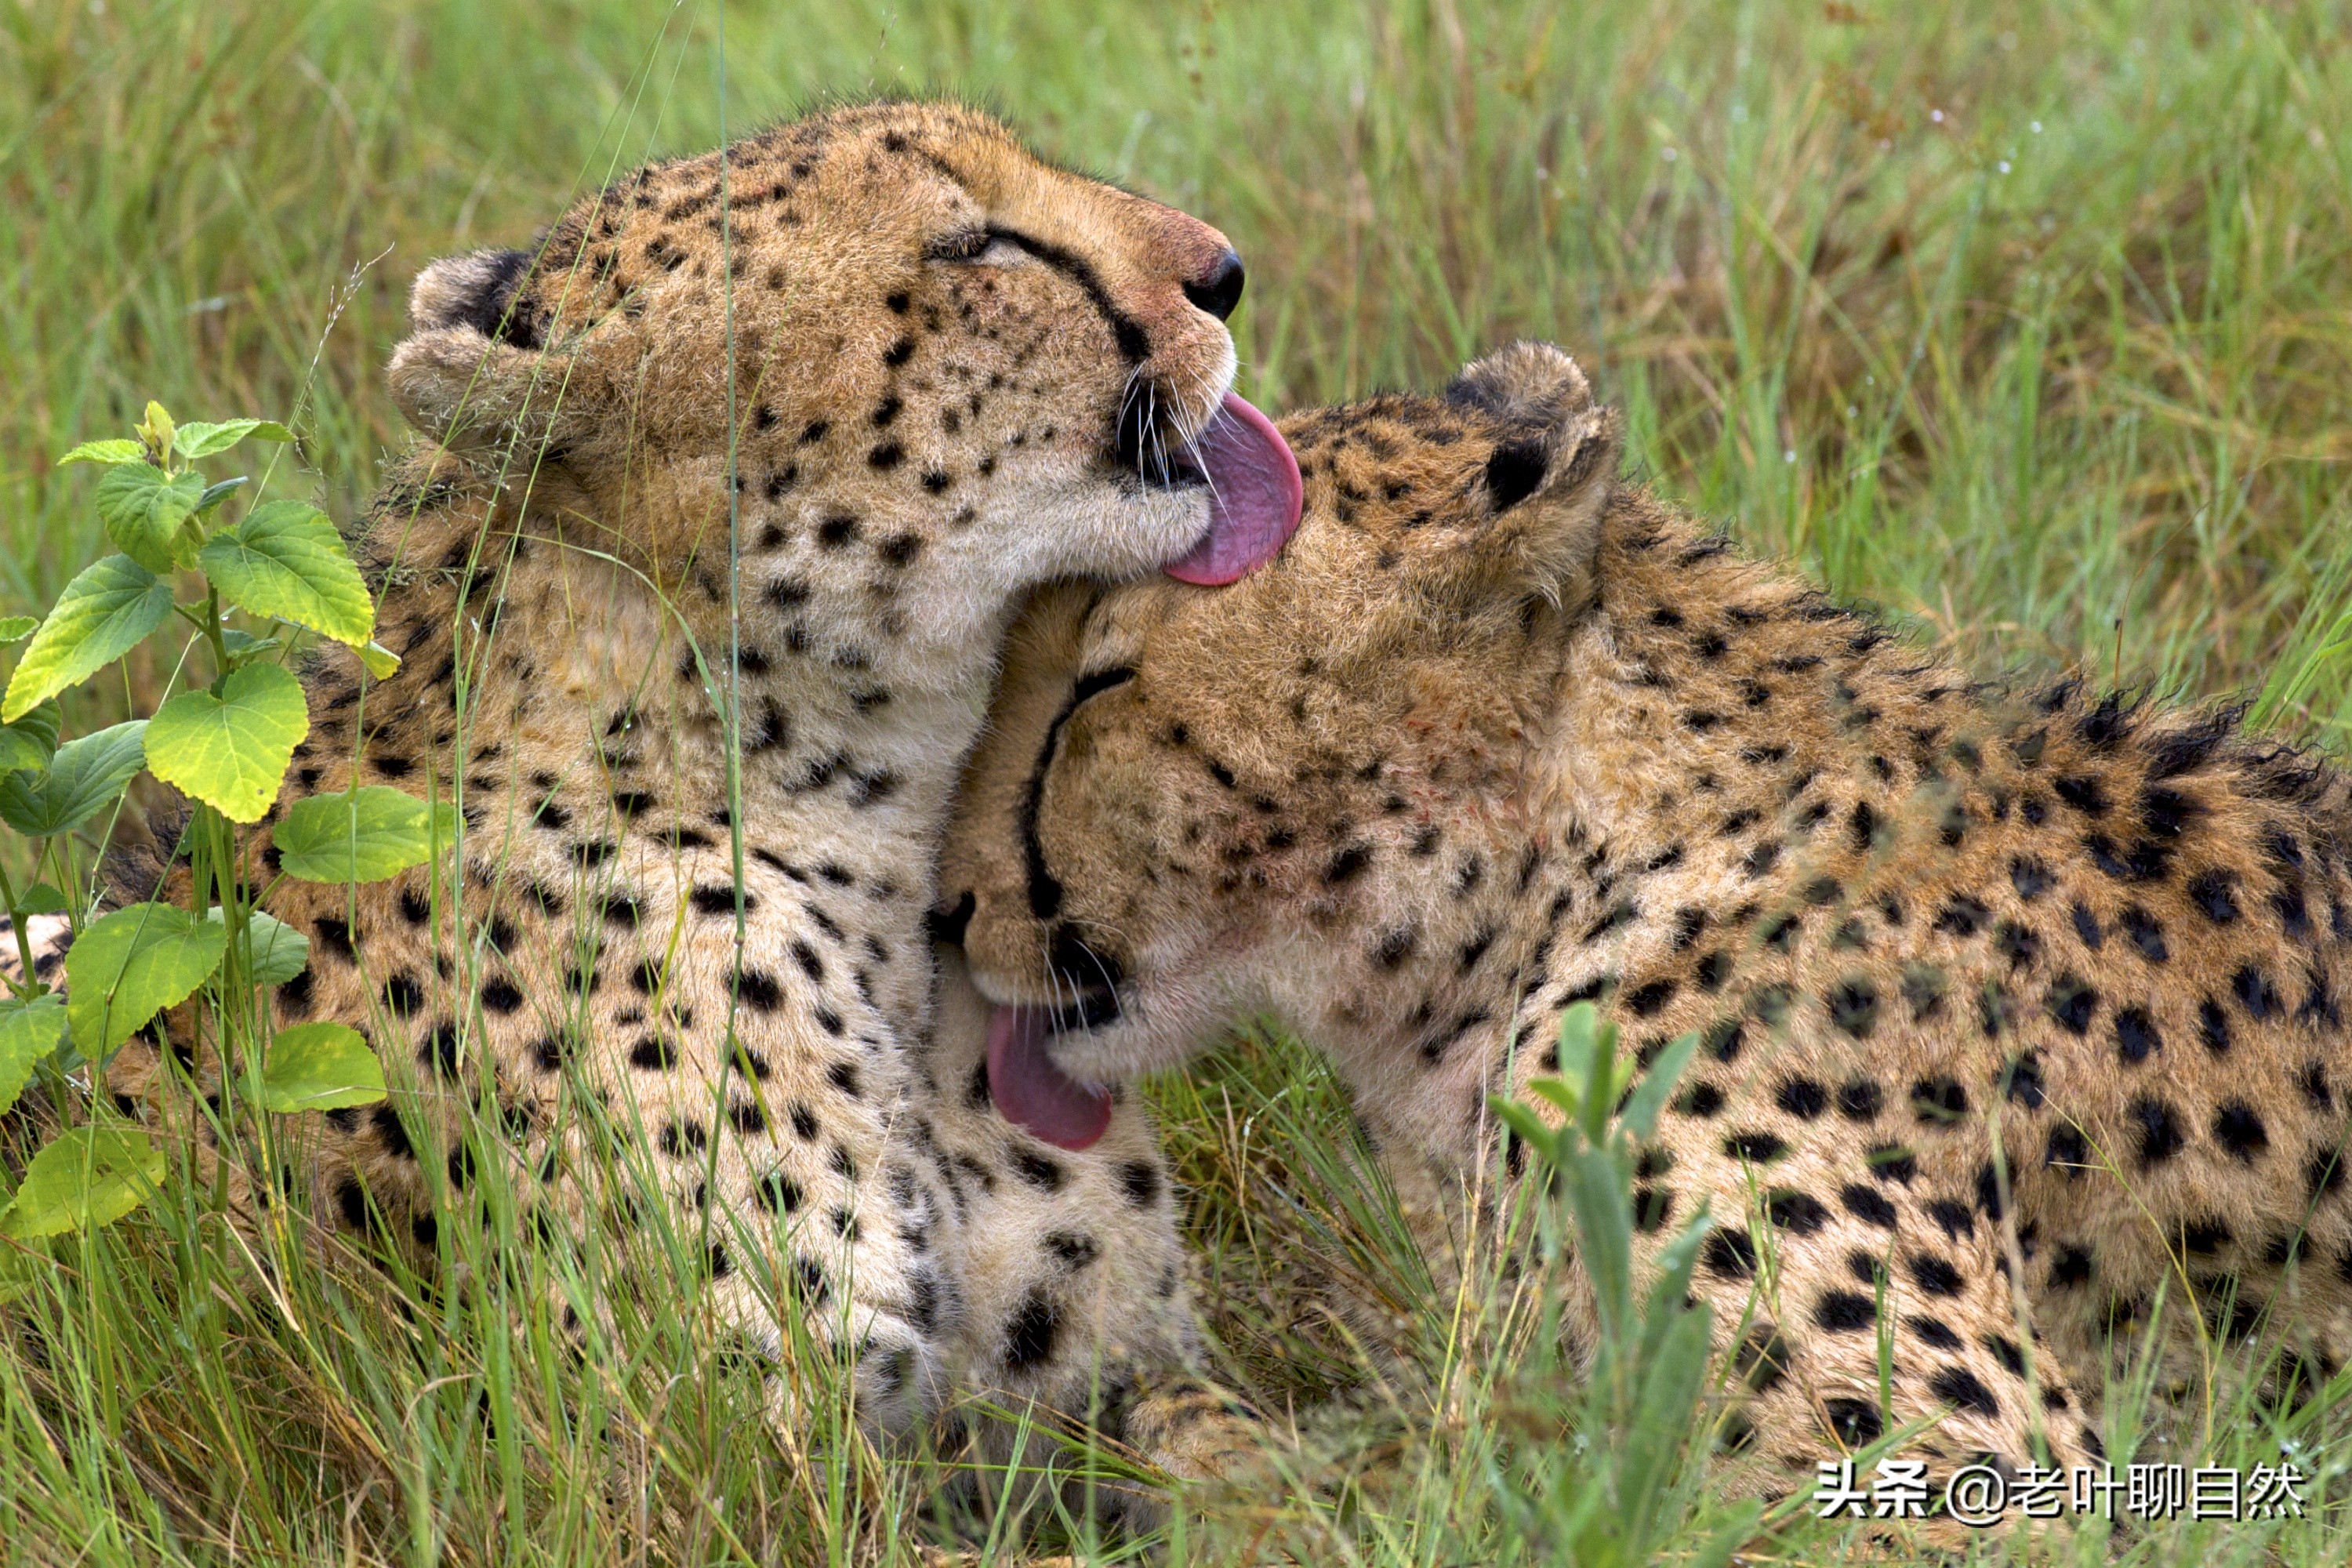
(1030, 1091)
(1253, 496)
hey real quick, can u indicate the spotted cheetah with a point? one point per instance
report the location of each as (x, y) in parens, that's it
(2012, 1006)
(728, 485)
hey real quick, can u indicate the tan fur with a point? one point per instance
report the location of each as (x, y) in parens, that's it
(1985, 981)
(932, 337)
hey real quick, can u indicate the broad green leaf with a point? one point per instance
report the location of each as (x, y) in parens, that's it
(88, 1176)
(126, 967)
(103, 614)
(114, 449)
(16, 628)
(243, 645)
(381, 661)
(321, 1067)
(28, 1031)
(85, 774)
(286, 561)
(279, 952)
(203, 437)
(1641, 1114)
(365, 835)
(80, 782)
(31, 741)
(40, 899)
(216, 493)
(142, 510)
(231, 751)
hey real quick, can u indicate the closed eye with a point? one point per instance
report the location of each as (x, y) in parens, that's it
(971, 245)
(1100, 681)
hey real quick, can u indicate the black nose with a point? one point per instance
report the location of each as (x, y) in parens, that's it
(1219, 289)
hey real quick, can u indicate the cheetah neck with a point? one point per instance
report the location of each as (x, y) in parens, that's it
(542, 676)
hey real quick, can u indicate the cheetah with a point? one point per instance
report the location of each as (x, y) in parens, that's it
(727, 489)
(2013, 1007)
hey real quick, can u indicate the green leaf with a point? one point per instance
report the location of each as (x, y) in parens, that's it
(365, 835)
(279, 952)
(128, 966)
(88, 1176)
(143, 508)
(286, 561)
(321, 1067)
(231, 751)
(1641, 1112)
(114, 449)
(216, 493)
(203, 437)
(31, 741)
(381, 661)
(85, 774)
(28, 1031)
(16, 628)
(103, 614)
(242, 645)
(40, 899)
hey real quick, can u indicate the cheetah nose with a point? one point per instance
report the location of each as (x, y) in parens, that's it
(1218, 290)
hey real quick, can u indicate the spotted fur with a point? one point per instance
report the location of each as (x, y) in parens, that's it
(1995, 989)
(908, 370)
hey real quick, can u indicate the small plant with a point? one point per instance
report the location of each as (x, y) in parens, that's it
(1640, 1408)
(225, 746)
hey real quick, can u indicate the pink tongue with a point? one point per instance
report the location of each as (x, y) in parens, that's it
(1030, 1091)
(1253, 496)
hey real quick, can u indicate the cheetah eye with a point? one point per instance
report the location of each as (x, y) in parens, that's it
(963, 245)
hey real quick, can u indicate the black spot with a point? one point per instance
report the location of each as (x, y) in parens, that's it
(2157, 1129)
(2071, 1002)
(2030, 878)
(1959, 1386)
(1039, 1172)
(2069, 1152)
(2238, 1128)
(403, 995)
(2209, 891)
(1939, 1100)
(1701, 1098)
(1853, 1007)
(1141, 1180)
(1802, 1097)
(500, 994)
(1729, 1254)
(1868, 1205)
(1845, 1311)
(1800, 1213)
(1891, 1162)
(2087, 926)
(1859, 1100)
(335, 936)
(2254, 993)
(1936, 1276)
(1756, 1147)
(2135, 1035)
(1934, 1331)
(1854, 1422)
(1029, 1337)
(1645, 1000)
(654, 1054)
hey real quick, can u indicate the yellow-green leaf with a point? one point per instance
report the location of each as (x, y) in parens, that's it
(81, 779)
(203, 437)
(128, 966)
(16, 628)
(103, 614)
(381, 661)
(31, 741)
(143, 508)
(231, 751)
(286, 561)
(321, 1067)
(87, 1176)
(28, 1031)
(114, 449)
(365, 836)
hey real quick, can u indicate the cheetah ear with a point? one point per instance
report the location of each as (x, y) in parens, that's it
(472, 373)
(1549, 476)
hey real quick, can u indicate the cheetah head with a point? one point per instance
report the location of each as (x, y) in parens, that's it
(913, 367)
(1185, 799)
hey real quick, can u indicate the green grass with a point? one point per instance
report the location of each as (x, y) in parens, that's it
(2027, 322)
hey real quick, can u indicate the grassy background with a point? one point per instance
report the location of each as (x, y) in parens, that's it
(2027, 321)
